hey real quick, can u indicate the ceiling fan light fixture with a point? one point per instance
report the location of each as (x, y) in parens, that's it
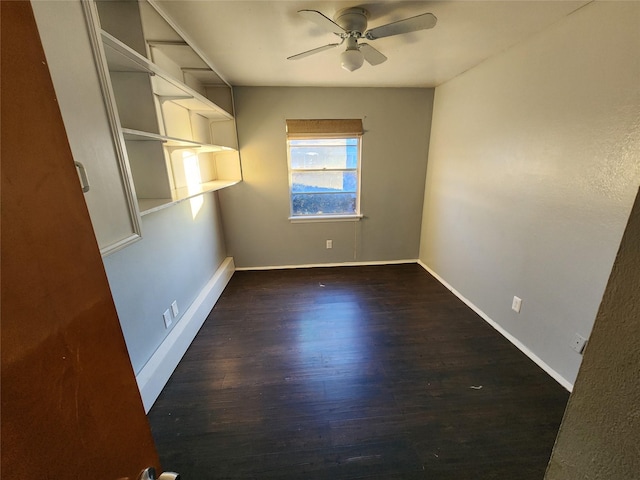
(350, 24)
(351, 59)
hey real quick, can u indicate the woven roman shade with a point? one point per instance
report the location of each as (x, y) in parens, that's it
(310, 128)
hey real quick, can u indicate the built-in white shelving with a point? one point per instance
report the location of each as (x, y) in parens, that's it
(150, 205)
(175, 112)
(121, 58)
(172, 143)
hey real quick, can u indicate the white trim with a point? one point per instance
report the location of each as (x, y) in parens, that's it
(316, 265)
(102, 69)
(120, 244)
(523, 348)
(156, 372)
(326, 218)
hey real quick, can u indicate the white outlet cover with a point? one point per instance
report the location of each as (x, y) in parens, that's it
(578, 343)
(174, 308)
(167, 318)
(516, 305)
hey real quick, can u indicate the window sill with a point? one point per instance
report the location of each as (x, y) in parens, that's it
(326, 218)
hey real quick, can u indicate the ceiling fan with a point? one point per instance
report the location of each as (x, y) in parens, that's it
(350, 24)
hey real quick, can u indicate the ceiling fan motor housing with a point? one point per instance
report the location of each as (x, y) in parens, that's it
(352, 19)
(350, 24)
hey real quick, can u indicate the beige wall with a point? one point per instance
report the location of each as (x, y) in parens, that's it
(394, 158)
(533, 168)
(600, 431)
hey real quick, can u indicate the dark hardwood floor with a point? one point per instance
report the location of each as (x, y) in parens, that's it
(353, 373)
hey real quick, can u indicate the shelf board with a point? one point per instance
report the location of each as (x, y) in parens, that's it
(121, 58)
(188, 60)
(150, 205)
(179, 52)
(185, 193)
(205, 76)
(172, 142)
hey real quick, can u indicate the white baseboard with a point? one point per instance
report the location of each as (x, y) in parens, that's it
(343, 264)
(156, 372)
(537, 360)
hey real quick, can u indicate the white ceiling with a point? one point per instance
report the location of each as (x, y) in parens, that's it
(248, 41)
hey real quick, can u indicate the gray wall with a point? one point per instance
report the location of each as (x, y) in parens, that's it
(533, 168)
(599, 434)
(394, 156)
(177, 256)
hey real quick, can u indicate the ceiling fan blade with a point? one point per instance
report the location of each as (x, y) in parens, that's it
(419, 22)
(371, 55)
(312, 52)
(322, 21)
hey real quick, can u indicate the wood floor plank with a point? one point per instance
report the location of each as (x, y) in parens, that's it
(353, 373)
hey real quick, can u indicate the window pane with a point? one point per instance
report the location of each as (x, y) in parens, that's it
(324, 175)
(310, 182)
(323, 204)
(324, 141)
(324, 153)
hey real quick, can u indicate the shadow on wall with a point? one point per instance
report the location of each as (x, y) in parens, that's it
(598, 437)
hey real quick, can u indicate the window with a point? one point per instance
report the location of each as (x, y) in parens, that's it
(324, 168)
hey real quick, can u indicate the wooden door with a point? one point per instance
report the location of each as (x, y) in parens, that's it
(70, 404)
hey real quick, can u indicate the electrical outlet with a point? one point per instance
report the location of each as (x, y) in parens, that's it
(174, 309)
(329, 243)
(578, 343)
(516, 305)
(167, 318)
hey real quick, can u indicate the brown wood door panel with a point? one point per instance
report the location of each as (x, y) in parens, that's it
(70, 403)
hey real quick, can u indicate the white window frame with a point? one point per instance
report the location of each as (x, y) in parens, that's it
(351, 217)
